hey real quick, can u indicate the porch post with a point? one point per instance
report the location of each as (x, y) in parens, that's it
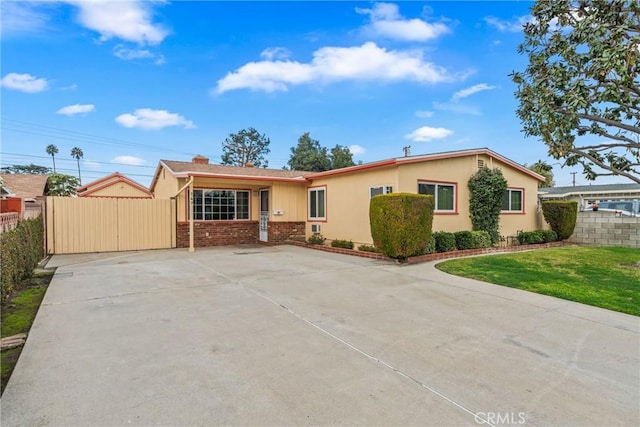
(191, 247)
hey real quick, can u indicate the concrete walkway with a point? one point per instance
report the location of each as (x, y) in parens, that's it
(291, 336)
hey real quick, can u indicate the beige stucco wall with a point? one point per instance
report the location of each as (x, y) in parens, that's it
(348, 196)
(166, 186)
(119, 189)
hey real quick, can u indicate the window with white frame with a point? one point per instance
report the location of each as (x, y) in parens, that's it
(220, 205)
(444, 195)
(317, 203)
(383, 189)
(512, 200)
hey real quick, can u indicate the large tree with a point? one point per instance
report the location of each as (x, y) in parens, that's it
(77, 154)
(580, 92)
(545, 169)
(26, 169)
(341, 157)
(309, 155)
(246, 146)
(52, 150)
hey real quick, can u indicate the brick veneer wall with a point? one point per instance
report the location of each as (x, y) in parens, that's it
(606, 229)
(280, 232)
(218, 233)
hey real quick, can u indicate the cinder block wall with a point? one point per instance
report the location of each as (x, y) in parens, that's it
(606, 229)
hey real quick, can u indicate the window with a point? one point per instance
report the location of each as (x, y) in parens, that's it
(317, 203)
(220, 205)
(374, 191)
(512, 200)
(444, 195)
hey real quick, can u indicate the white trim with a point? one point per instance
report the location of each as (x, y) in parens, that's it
(386, 189)
(315, 190)
(435, 196)
(509, 191)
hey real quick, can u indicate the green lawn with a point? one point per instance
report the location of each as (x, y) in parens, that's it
(600, 276)
(17, 317)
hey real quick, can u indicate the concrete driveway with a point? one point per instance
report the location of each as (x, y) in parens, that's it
(291, 336)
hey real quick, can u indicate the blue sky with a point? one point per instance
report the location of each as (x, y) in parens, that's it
(132, 82)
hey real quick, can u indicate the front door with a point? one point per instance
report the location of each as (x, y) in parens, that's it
(264, 215)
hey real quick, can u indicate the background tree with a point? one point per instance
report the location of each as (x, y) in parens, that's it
(246, 146)
(580, 92)
(52, 150)
(77, 154)
(341, 157)
(545, 169)
(59, 184)
(26, 169)
(308, 155)
(487, 187)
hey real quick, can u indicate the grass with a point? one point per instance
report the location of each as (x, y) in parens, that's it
(606, 277)
(17, 316)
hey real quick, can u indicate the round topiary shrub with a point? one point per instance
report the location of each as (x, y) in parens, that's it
(561, 215)
(445, 241)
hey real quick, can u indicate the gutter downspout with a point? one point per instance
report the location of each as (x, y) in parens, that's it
(190, 185)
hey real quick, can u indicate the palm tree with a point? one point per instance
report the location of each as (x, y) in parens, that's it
(52, 150)
(77, 154)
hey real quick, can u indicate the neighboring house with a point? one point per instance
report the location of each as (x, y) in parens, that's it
(245, 204)
(23, 193)
(620, 197)
(115, 185)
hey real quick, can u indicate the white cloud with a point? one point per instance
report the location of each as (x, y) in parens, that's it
(146, 118)
(127, 20)
(128, 54)
(426, 133)
(331, 64)
(21, 18)
(129, 160)
(424, 114)
(386, 21)
(24, 83)
(471, 90)
(456, 107)
(71, 110)
(513, 26)
(272, 53)
(357, 149)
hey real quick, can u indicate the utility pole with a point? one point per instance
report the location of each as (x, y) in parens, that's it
(574, 177)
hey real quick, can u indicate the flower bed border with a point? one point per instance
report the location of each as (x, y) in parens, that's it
(429, 257)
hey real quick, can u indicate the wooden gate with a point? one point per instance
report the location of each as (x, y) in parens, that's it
(77, 225)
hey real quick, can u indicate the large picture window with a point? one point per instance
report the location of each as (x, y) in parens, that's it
(220, 205)
(444, 195)
(512, 200)
(317, 203)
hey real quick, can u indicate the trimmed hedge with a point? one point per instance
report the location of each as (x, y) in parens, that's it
(536, 237)
(20, 250)
(464, 239)
(480, 239)
(401, 223)
(445, 241)
(369, 248)
(345, 244)
(561, 216)
(316, 239)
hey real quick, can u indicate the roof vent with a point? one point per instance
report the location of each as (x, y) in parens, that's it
(480, 164)
(200, 160)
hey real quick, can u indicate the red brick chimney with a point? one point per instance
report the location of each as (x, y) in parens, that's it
(200, 160)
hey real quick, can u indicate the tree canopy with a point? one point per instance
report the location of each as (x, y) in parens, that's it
(62, 185)
(52, 150)
(545, 169)
(26, 169)
(310, 156)
(246, 146)
(580, 92)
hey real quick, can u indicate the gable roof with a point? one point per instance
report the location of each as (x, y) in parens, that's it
(187, 169)
(108, 180)
(589, 190)
(397, 161)
(26, 186)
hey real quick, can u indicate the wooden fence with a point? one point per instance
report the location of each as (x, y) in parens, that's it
(78, 225)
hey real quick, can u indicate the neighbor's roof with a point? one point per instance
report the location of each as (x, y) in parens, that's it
(108, 180)
(26, 186)
(589, 189)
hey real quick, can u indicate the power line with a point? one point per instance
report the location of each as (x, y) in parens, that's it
(74, 161)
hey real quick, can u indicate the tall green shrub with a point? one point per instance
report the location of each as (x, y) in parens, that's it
(20, 250)
(487, 187)
(401, 223)
(561, 215)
